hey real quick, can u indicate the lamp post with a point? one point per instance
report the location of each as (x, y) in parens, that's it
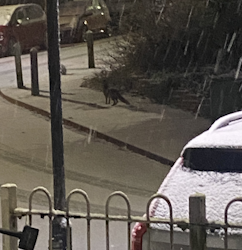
(59, 237)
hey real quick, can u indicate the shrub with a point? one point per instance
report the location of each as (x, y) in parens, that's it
(184, 34)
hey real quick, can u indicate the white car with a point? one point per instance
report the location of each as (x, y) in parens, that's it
(210, 164)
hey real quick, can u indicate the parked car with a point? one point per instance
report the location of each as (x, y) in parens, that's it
(210, 164)
(79, 16)
(24, 23)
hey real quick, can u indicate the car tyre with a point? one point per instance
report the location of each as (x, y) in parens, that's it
(11, 49)
(109, 30)
(80, 35)
(84, 33)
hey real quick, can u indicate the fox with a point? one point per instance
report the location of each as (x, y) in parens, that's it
(114, 94)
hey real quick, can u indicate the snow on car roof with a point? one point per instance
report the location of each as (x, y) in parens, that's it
(224, 133)
(181, 182)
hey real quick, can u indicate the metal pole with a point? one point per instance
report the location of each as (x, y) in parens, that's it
(59, 241)
(34, 72)
(91, 63)
(18, 65)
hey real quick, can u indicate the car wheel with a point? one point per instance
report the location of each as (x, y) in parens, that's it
(80, 35)
(11, 48)
(109, 30)
(84, 33)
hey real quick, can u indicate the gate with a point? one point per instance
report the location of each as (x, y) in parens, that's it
(143, 231)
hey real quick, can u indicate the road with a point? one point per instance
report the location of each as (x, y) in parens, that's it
(98, 167)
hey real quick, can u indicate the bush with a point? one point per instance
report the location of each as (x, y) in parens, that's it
(188, 40)
(186, 34)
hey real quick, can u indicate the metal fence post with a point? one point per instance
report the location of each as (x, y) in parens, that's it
(91, 63)
(18, 65)
(9, 203)
(197, 218)
(34, 72)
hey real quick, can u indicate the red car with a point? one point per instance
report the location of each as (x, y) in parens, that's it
(23, 23)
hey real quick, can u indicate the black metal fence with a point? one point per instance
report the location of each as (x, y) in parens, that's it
(140, 230)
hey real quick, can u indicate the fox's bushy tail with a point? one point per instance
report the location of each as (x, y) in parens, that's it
(122, 99)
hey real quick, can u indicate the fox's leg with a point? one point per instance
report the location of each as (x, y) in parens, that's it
(115, 101)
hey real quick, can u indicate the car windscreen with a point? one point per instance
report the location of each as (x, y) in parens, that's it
(213, 159)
